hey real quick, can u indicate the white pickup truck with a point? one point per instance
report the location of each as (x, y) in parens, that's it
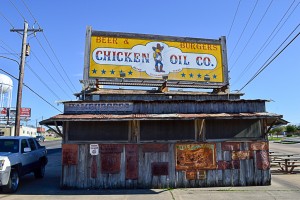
(19, 156)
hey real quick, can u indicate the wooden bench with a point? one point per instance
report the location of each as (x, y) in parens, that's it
(287, 164)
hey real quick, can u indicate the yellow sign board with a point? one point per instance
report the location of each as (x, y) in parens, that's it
(142, 58)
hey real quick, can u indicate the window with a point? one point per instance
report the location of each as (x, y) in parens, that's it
(9, 145)
(99, 131)
(24, 144)
(167, 130)
(1, 133)
(233, 128)
(32, 144)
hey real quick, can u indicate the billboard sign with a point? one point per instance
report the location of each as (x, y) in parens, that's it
(24, 112)
(149, 58)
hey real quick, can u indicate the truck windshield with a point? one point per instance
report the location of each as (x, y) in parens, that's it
(9, 145)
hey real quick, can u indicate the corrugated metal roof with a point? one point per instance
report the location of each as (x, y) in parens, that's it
(112, 117)
(145, 92)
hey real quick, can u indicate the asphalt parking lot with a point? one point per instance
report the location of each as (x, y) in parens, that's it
(284, 186)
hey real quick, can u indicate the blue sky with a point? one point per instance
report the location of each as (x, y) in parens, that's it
(56, 77)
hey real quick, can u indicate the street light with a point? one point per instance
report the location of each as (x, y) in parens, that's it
(19, 99)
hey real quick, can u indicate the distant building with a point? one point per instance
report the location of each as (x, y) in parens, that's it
(24, 131)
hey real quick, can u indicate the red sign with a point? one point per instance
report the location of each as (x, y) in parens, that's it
(69, 154)
(3, 111)
(40, 130)
(24, 112)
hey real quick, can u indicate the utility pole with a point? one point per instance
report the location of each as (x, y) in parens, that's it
(23, 32)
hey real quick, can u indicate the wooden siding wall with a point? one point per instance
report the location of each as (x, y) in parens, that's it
(238, 164)
(190, 107)
(198, 107)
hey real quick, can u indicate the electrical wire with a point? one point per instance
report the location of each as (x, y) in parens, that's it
(38, 77)
(233, 19)
(58, 61)
(244, 29)
(264, 66)
(17, 10)
(261, 19)
(32, 91)
(6, 20)
(66, 75)
(29, 11)
(268, 41)
(53, 64)
(37, 59)
(50, 75)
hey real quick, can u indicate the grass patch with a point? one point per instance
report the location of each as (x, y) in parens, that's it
(276, 139)
(52, 138)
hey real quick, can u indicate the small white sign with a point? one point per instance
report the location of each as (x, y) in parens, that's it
(94, 149)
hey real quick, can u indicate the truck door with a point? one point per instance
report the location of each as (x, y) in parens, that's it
(27, 158)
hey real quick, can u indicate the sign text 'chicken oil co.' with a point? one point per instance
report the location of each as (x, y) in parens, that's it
(152, 57)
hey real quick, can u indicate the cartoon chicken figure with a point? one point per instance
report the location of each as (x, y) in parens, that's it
(158, 58)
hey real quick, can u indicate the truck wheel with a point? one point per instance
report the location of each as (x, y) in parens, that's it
(13, 182)
(40, 172)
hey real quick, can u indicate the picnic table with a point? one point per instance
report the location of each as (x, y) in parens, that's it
(286, 162)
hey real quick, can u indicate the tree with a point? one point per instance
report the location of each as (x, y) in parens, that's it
(277, 130)
(290, 129)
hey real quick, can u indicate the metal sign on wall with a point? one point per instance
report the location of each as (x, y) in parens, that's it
(196, 156)
(139, 57)
(94, 108)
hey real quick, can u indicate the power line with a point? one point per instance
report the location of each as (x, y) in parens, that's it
(261, 19)
(233, 19)
(38, 77)
(29, 11)
(32, 91)
(17, 10)
(59, 61)
(268, 40)
(53, 64)
(42, 81)
(49, 73)
(7, 20)
(244, 29)
(66, 75)
(264, 66)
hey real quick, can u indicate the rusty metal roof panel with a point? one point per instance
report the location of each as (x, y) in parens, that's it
(145, 92)
(178, 116)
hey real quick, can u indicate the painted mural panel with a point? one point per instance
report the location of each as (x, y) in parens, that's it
(231, 146)
(240, 155)
(195, 156)
(69, 154)
(110, 163)
(131, 161)
(111, 158)
(254, 146)
(262, 160)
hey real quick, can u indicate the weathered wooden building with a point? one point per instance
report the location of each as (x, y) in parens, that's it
(151, 139)
(160, 138)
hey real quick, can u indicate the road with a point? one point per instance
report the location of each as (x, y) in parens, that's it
(56, 144)
(287, 148)
(284, 186)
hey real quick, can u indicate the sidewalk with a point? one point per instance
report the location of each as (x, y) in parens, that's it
(284, 186)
